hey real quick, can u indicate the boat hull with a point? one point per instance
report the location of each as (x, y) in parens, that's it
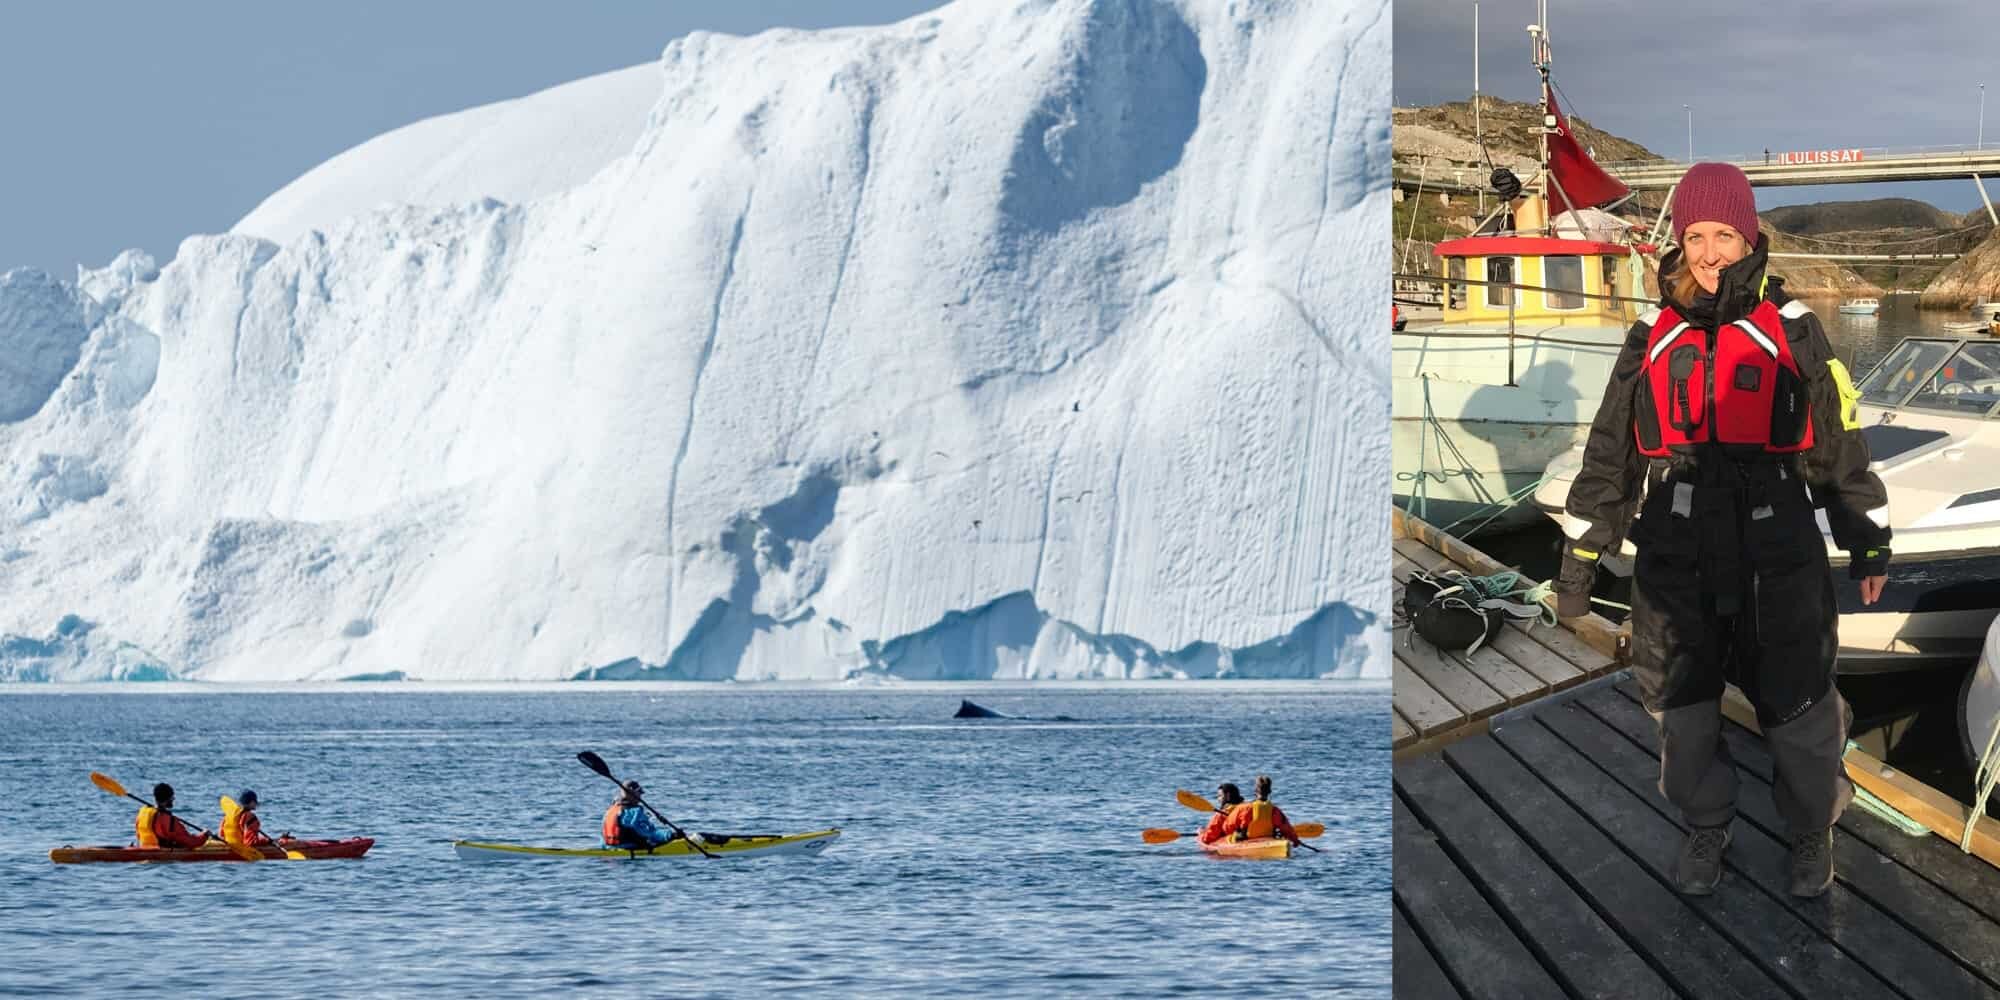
(313, 850)
(721, 846)
(1264, 849)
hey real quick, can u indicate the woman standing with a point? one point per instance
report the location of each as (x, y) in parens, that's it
(1727, 421)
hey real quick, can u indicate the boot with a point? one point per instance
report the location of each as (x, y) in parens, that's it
(1812, 862)
(1699, 867)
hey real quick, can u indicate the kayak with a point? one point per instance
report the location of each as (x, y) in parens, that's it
(719, 844)
(314, 850)
(1263, 849)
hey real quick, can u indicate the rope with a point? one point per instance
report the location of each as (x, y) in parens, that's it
(1422, 477)
(1416, 209)
(1983, 783)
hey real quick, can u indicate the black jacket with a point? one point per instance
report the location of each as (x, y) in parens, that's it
(1606, 493)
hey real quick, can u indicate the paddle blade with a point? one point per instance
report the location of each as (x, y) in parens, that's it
(595, 763)
(1308, 831)
(1160, 836)
(245, 851)
(1193, 801)
(104, 781)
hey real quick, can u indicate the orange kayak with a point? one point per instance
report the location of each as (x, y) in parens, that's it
(1264, 849)
(314, 850)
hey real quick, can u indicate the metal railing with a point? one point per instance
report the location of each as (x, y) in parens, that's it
(1758, 159)
(1512, 335)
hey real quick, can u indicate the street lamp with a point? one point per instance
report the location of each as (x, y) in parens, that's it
(1690, 114)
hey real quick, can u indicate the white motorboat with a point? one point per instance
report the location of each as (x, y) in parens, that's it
(1861, 307)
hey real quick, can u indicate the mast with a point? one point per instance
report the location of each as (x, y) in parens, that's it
(1538, 33)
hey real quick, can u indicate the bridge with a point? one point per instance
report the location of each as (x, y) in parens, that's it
(1856, 166)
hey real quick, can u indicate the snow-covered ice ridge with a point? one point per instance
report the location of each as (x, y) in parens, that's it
(1026, 338)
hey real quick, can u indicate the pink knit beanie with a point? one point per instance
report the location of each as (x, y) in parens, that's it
(1715, 192)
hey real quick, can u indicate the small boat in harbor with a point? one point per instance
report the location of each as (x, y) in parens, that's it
(1861, 307)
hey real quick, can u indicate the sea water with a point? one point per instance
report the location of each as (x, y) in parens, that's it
(977, 857)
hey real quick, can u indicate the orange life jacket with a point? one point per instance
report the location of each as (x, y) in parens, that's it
(1258, 820)
(614, 832)
(1747, 389)
(144, 827)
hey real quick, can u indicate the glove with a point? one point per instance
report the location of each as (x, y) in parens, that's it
(1867, 563)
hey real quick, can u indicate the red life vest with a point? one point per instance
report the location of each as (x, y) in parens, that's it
(1747, 390)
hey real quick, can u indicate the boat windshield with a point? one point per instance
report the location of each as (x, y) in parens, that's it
(1898, 374)
(1959, 376)
(1969, 381)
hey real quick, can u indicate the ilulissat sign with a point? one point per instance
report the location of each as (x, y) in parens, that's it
(1818, 156)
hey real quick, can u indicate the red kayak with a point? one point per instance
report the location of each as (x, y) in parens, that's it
(314, 850)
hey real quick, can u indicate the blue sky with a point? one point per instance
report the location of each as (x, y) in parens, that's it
(1777, 74)
(137, 124)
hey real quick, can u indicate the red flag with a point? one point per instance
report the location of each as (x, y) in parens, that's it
(1575, 173)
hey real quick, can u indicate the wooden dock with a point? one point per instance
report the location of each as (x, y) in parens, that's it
(1535, 860)
(1442, 696)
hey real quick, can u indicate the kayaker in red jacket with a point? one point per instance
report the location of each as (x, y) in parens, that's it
(1228, 797)
(242, 826)
(157, 826)
(1259, 819)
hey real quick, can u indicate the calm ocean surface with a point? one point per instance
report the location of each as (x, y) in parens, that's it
(978, 857)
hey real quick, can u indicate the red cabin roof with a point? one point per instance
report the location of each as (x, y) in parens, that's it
(1528, 246)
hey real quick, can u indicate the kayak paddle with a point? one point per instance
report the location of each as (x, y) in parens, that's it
(1161, 835)
(596, 763)
(229, 806)
(1194, 802)
(105, 782)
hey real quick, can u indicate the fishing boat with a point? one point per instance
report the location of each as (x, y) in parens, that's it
(1533, 316)
(1930, 411)
(1861, 307)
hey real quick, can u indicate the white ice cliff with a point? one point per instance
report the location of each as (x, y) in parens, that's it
(1026, 338)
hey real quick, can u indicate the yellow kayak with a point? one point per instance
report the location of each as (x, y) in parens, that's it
(1263, 849)
(721, 845)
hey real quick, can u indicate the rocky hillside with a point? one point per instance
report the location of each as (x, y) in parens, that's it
(1445, 132)
(1830, 217)
(1972, 278)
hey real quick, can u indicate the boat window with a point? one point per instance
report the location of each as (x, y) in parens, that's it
(1454, 293)
(1968, 382)
(1562, 276)
(1500, 269)
(1899, 373)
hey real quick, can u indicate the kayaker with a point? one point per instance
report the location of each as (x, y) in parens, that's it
(1227, 798)
(627, 825)
(242, 826)
(1730, 428)
(157, 826)
(1259, 819)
